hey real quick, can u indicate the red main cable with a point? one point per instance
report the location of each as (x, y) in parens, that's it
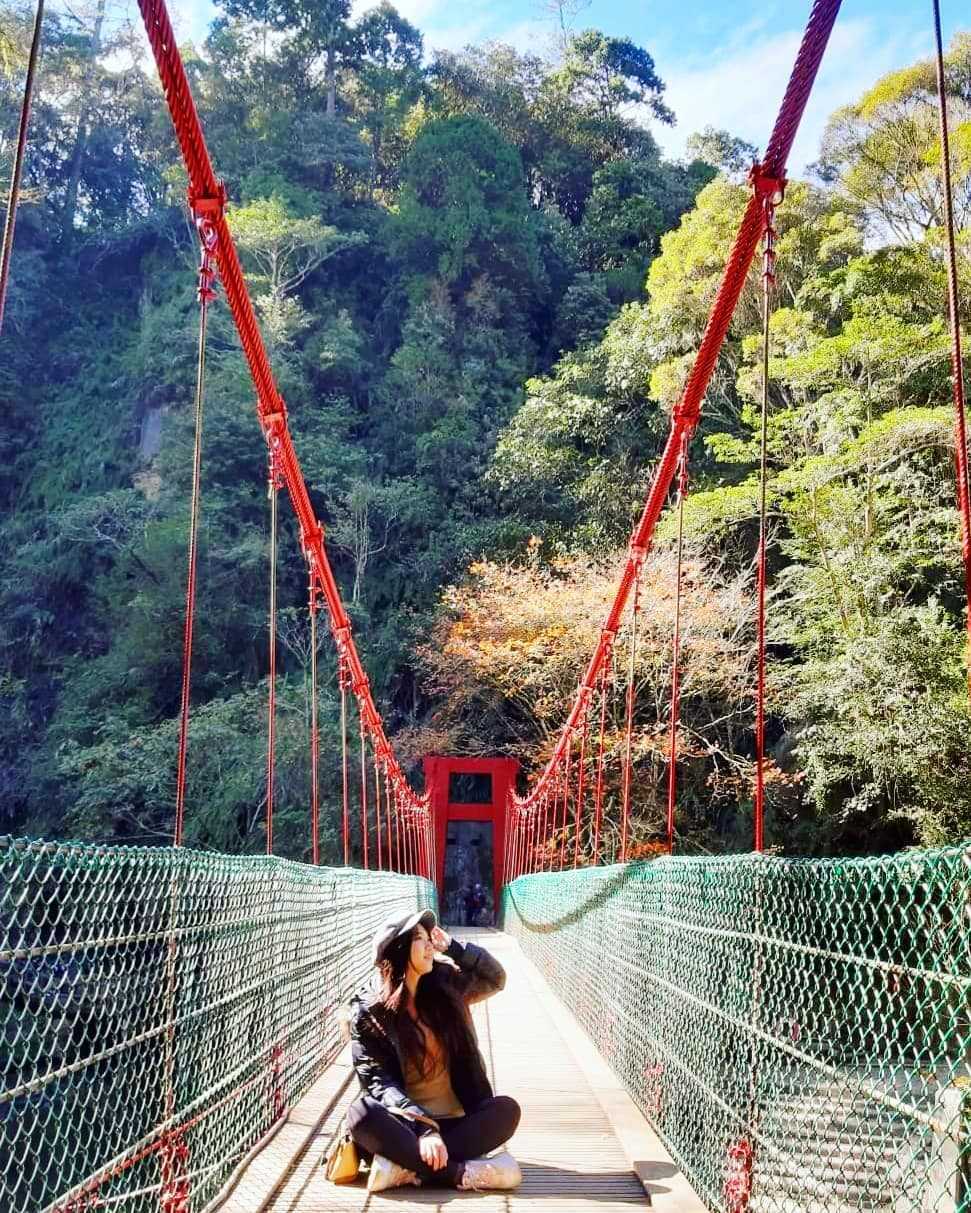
(207, 197)
(688, 410)
(954, 316)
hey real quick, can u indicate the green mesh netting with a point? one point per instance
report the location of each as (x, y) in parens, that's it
(159, 1009)
(798, 1031)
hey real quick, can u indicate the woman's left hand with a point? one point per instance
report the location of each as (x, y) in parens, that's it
(441, 940)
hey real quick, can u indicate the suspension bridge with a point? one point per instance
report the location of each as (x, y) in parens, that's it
(734, 1033)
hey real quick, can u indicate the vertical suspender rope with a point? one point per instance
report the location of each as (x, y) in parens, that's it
(546, 830)
(520, 827)
(13, 198)
(771, 194)
(629, 721)
(578, 816)
(314, 729)
(599, 795)
(364, 821)
(206, 294)
(676, 653)
(504, 878)
(557, 789)
(387, 815)
(274, 494)
(397, 830)
(346, 822)
(566, 799)
(377, 811)
(957, 365)
(550, 798)
(174, 1150)
(519, 841)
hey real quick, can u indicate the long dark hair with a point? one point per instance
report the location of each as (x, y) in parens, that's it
(437, 1008)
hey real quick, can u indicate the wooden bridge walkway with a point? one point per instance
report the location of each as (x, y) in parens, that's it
(582, 1144)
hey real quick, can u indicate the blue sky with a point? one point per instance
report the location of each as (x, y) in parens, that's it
(725, 62)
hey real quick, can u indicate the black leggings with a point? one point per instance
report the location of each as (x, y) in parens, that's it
(379, 1131)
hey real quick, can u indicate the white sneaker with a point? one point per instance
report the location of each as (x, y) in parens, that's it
(499, 1173)
(386, 1174)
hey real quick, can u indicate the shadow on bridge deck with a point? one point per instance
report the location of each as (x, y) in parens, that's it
(581, 1144)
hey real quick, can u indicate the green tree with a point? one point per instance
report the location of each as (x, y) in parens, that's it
(610, 74)
(287, 249)
(885, 151)
(722, 150)
(387, 81)
(316, 29)
(463, 208)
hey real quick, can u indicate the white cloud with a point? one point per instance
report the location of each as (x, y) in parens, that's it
(739, 87)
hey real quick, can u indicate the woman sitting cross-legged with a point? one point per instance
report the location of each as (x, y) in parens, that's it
(427, 1113)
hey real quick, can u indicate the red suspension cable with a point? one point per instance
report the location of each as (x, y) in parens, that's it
(578, 816)
(343, 682)
(954, 317)
(13, 198)
(364, 819)
(206, 294)
(274, 493)
(676, 655)
(688, 410)
(208, 196)
(771, 192)
(314, 729)
(599, 795)
(566, 802)
(377, 813)
(387, 816)
(545, 853)
(397, 832)
(629, 719)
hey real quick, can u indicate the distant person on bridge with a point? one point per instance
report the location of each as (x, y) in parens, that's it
(427, 1113)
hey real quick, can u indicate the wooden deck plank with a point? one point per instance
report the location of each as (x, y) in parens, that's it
(572, 1160)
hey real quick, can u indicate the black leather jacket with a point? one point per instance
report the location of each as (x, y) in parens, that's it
(376, 1051)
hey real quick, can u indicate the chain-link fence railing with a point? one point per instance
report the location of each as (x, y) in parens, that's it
(161, 1009)
(798, 1031)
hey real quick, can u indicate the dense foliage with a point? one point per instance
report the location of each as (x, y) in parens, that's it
(449, 254)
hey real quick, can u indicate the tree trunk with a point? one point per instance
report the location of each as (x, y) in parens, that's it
(81, 137)
(331, 79)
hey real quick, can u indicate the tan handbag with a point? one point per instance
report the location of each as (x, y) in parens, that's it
(342, 1161)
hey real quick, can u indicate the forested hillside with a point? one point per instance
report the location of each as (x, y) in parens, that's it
(481, 286)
